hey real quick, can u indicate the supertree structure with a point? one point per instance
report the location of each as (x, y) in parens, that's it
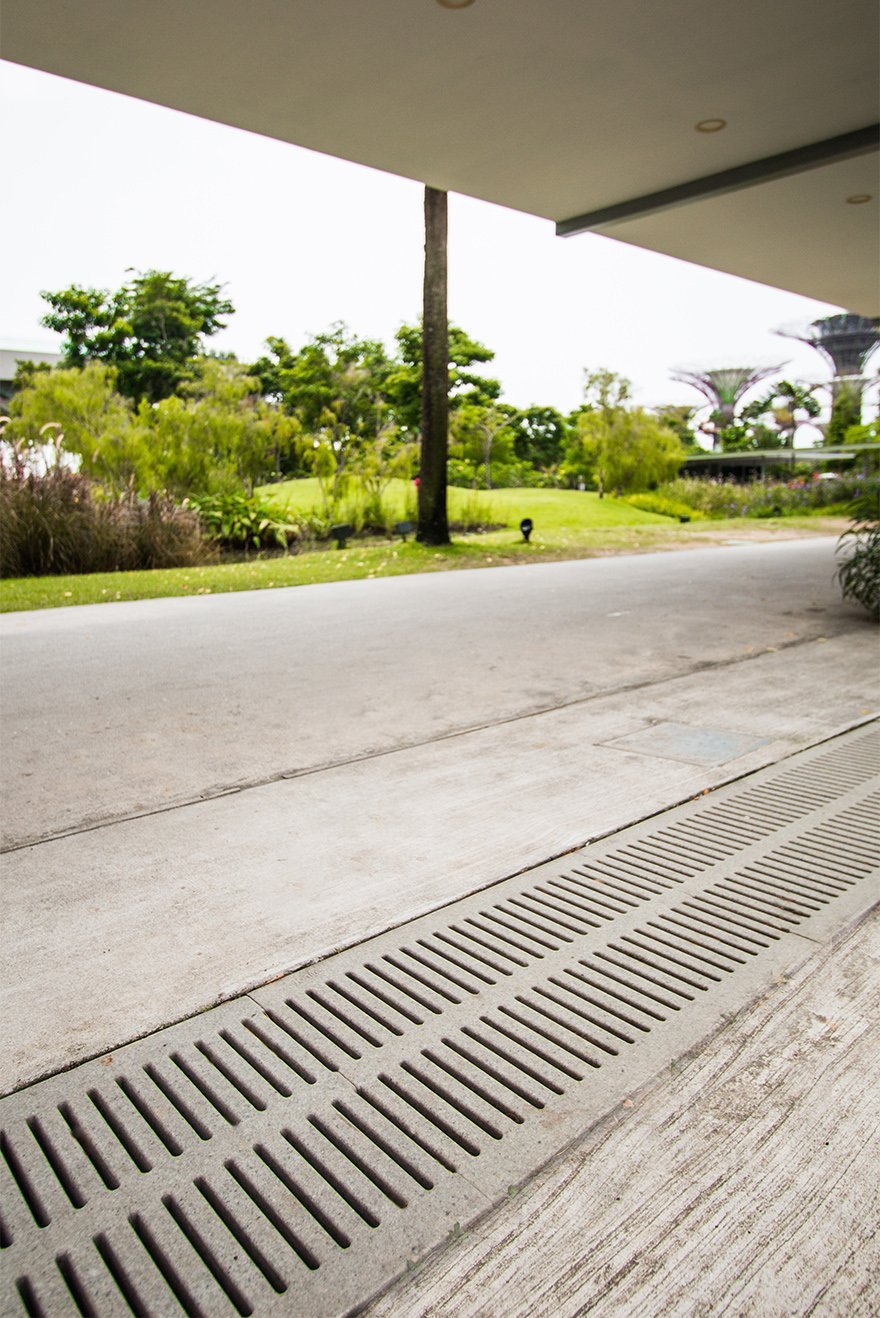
(723, 388)
(846, 341)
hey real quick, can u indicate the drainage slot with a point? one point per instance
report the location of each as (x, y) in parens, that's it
(388, 1149)
(385, 1000)
(368, 1172)
(430, 1116)
(420, 979)
(307, 1047)
(176, 1102)
(406, 990)
(53, 1158)
(248, 1058)
(607, 1048)
(119, 1275)
(254, 1028)
(149, 1117)
(322, 1029)
(529, 1046)
(231, 1078)
(494, 1074)
(436, 1088)
(194, 1238)
(237, 1231)
(204, 1089)
(352, 1025)
(75, 1287)
(333, 1181)
(532, 1028)
(469, 952)
(140, 1161)
(303, 1198)
(163, 1265)
(406, 1130)
(28, 1297)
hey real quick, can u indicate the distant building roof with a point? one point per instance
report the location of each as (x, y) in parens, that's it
(10, 357)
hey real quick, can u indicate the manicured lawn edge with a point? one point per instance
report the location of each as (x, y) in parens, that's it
(372, 559)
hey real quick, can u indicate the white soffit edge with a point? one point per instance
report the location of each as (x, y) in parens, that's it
(558, 109)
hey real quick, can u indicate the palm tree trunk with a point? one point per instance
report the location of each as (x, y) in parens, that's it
(433, 526)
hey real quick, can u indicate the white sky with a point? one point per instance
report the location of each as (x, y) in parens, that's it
(97, 183)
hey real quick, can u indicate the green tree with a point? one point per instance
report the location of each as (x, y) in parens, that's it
(150, 330)
(772, 420)
(216, 435)
(334, 387)
(483, 434)
(403, 386)
(539, 435)
(624, 448)
(679, 418)
(98, 425)
(846, 412)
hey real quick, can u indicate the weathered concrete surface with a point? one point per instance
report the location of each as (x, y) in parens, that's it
(113, 932)
(745, 1183)
(112, 710)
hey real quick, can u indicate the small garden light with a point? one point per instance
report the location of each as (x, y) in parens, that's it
(526, 526)
(341, 533)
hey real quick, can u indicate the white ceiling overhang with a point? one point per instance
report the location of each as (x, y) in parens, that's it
(581, 111)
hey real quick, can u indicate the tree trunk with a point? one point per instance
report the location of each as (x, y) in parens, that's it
(433, 526)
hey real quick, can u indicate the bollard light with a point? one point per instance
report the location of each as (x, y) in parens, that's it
(341, 534)
(526, 527)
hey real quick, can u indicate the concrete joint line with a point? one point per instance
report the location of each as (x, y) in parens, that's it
(289, 775)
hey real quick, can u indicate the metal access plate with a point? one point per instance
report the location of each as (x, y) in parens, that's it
(295, 1150)
(679, 741)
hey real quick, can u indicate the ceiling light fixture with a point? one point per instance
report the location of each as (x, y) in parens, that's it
(710, 125)
(859, 198)
(455, 4)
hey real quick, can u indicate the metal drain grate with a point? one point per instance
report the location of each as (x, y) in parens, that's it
(295, 1150)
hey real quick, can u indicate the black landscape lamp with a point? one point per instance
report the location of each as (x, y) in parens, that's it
(526, 527)
(341, 533)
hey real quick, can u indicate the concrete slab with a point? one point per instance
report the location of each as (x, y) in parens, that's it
(744, 1183)
(323, 1134)
(120, 709)
(114, 932)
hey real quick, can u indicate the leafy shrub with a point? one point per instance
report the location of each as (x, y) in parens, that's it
(764, 499)
(240, 521)
(505, 475)
(859, 572)
(664, 506)
(58, 522)
(473, 514)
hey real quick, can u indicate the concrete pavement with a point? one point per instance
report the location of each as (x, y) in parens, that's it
(742, 1183)
(482, 720)
(118, 709)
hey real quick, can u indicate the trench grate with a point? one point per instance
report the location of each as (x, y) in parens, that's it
(298, 1148)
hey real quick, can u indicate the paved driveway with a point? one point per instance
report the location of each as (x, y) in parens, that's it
(118, 709)
(440, 733)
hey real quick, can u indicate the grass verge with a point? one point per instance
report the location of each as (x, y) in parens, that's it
(371, 559)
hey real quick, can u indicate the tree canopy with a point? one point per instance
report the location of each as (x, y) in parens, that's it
(150, 330)
(403, 385)
(623, 448)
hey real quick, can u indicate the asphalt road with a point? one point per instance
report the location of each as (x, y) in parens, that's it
(123, 709)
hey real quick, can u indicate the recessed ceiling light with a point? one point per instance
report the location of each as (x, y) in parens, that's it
(858, 198)
(455, 4)
(710, 125)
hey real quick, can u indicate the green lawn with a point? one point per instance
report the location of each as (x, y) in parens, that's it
(550, 510)
(384, 558)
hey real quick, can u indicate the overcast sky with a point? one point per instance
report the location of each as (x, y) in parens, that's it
(96, 183)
